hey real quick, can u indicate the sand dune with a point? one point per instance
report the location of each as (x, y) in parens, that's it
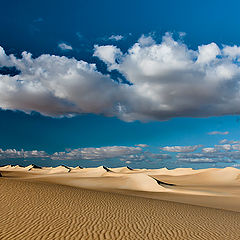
(35, 204)
(75, 169)
(212, 176)
(34, 210)
(219, 188)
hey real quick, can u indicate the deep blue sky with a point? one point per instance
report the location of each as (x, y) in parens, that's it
(39, 26)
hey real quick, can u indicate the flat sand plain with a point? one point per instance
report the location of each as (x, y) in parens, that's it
(119, 203)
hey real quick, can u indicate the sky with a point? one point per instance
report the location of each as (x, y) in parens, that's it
(147, 84)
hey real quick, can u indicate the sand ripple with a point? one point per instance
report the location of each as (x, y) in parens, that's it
(30, 210)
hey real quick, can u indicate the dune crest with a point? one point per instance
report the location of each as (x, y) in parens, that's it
(212, 187)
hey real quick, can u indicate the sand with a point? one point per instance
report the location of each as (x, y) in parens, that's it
(120, 203)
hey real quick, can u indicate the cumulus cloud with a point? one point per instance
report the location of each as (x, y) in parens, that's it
(236, 147)
(142, 145)
(146, 41)
(123, 153)
(145, 157)
(96, 153)
(65, 47)
(56, 86)
(207, 53)
(200, 160)
(232, 51)
(218, 133)
(222, 147)
(225, 147)
(213, 155)
(116, 37)
(108, 54)
(170, 80)
(13, 153)
(181, 148)
(229, 141)
(209, 150)
(166, 79)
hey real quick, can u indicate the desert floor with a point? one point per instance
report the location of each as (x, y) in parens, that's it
(119, 203)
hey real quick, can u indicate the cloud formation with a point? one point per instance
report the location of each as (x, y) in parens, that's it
(225, 141)
(100, 153)
(225, 153)
(166, 79)
(181, 148)
(65, 47)
(13, 153)
(218, 133)
(142, 145)
(123, 153)
(116, 37)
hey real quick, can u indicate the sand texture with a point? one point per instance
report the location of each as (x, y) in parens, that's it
(121, 203)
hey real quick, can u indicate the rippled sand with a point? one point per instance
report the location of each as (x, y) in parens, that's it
(51, 203)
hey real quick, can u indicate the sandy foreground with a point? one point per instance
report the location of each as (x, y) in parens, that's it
(119, 203)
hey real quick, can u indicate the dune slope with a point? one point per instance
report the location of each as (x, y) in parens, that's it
(31, 210)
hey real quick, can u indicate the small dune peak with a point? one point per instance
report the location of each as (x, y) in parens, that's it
(164, 169)
(62, 168)
(230, 169)
(161, 183)
(129, 168)
(18, 166)
(33, 166)
(65, 167)
(105, 168)
(78, 167)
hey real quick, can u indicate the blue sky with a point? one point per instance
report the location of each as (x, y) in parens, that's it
(58, 104)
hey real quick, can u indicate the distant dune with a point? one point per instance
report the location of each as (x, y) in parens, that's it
(120, 203)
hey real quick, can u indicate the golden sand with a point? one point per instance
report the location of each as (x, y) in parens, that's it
(56, 203)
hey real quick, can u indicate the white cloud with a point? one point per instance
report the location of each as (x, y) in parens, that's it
(167, 80)
(225, 147)
(57, 86)
(209, 150)
(123, 153)
(146, 41)
(107, 53)
(142, 145)
(182, 34)
(65, 47)
(208, 53)
(13, 153)
(96, 153)
(198, 160)
(223, 141)
(229, 141)
(218, 133)
(236, 147)
(204, 160)
(116, 37)
(181, 148)
(236, 165)
(216, 155)
(145, 156)
(170, 80)
(232, 51)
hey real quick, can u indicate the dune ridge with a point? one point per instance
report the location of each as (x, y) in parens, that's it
(218, 188)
